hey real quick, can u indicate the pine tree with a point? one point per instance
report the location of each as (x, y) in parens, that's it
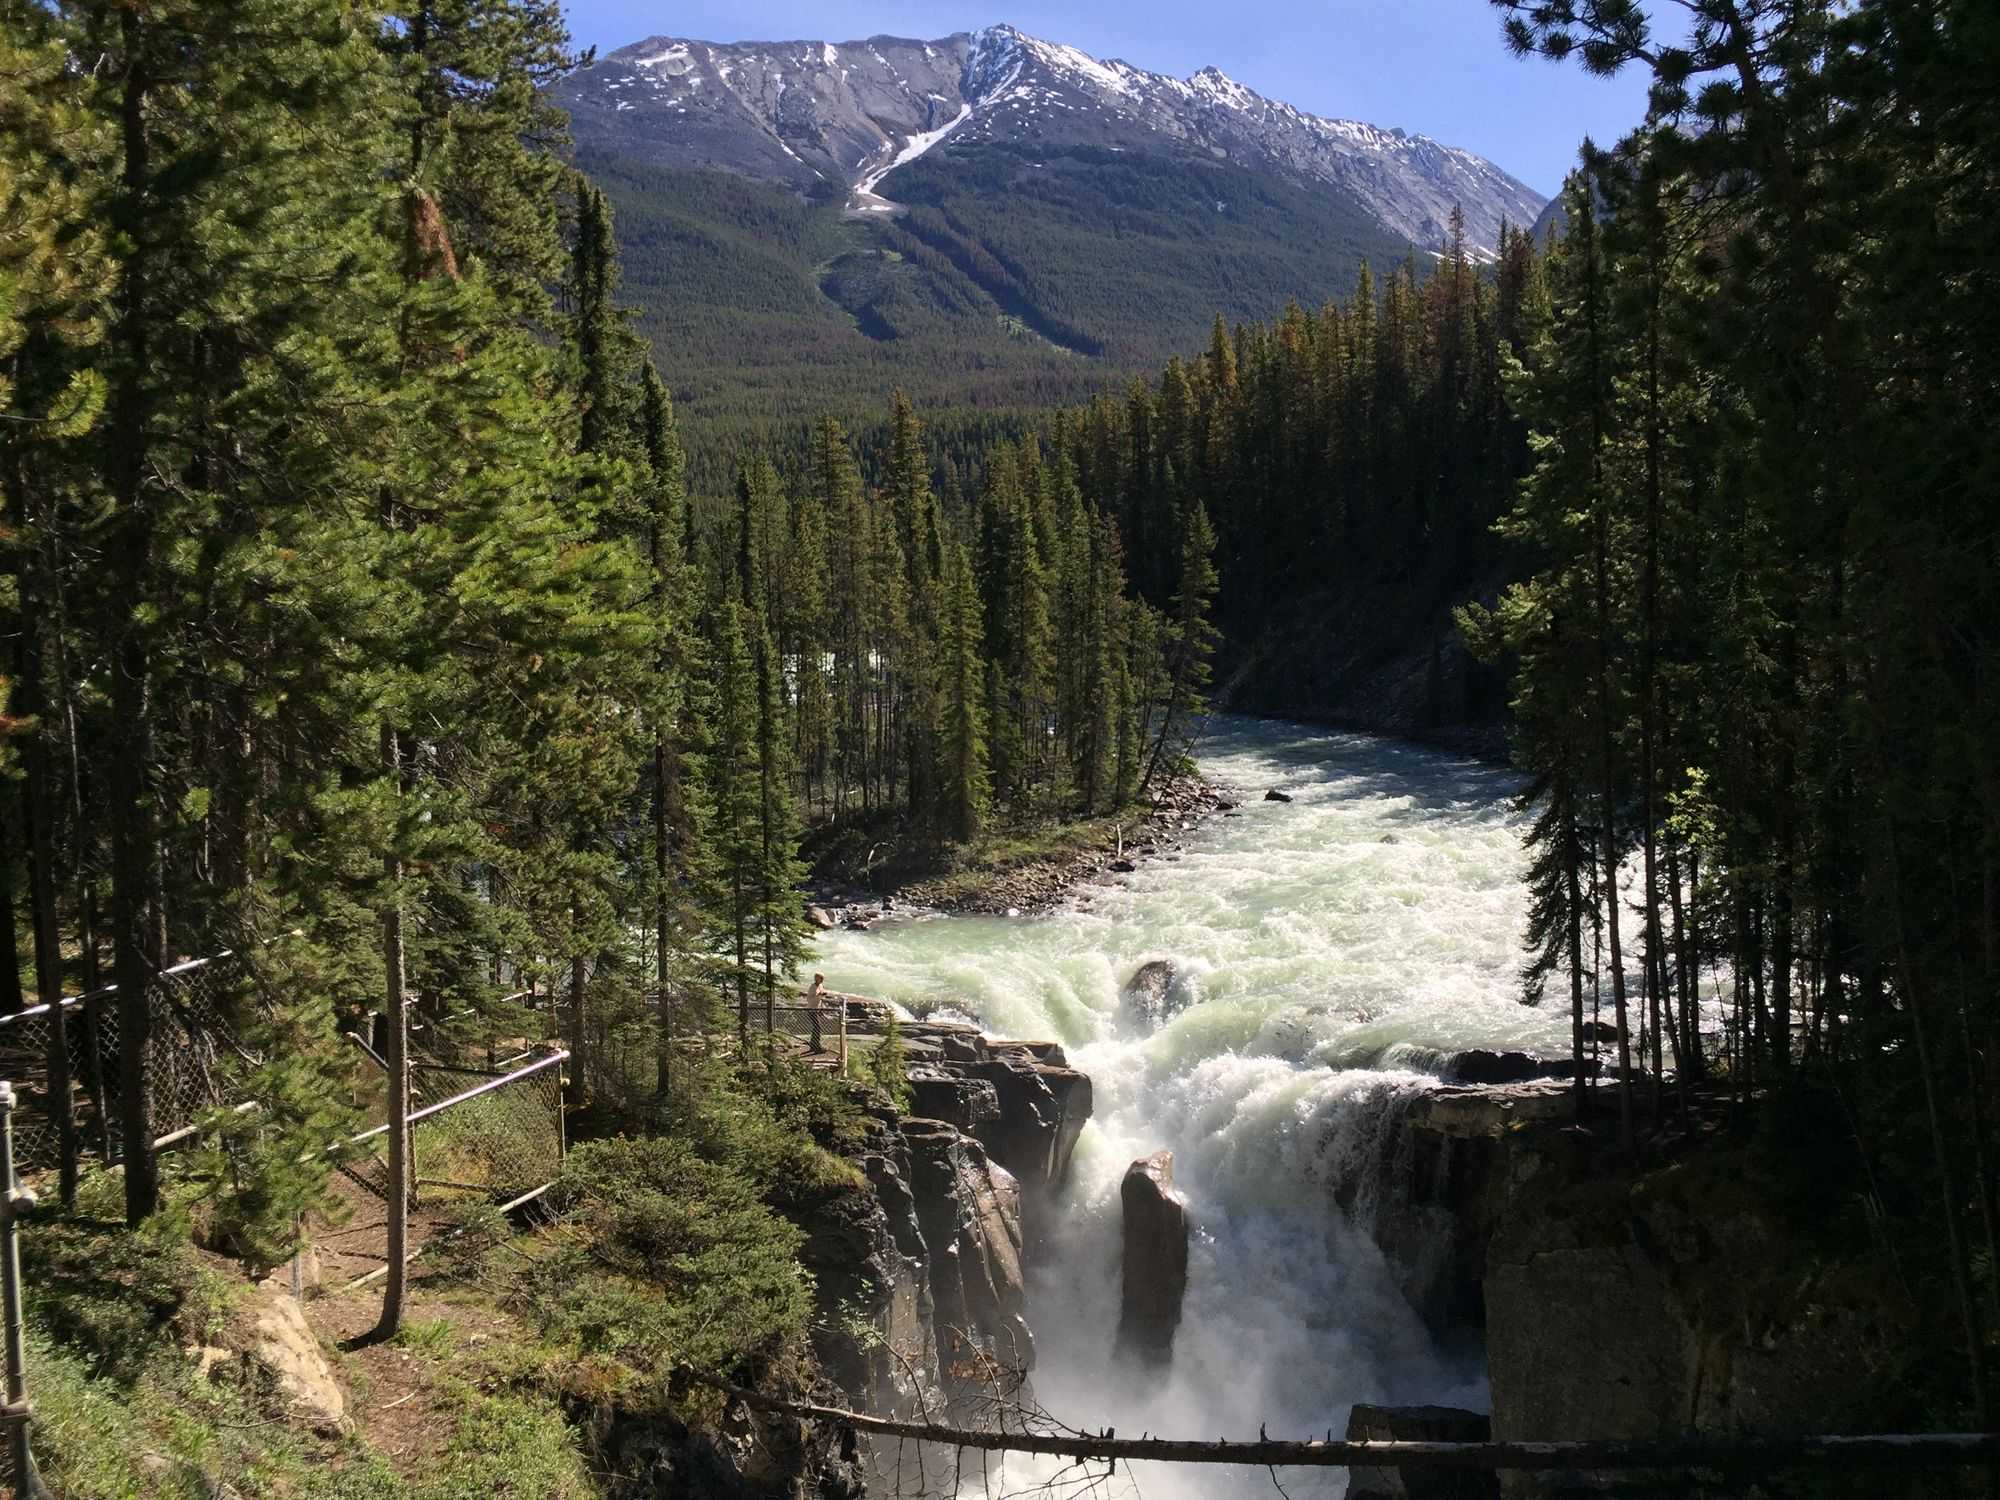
(733, 776)
(779, 914)
(965, 787)
(670, 709)
(1192, 643)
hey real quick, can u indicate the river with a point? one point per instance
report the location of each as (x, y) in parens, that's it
(1334, 948)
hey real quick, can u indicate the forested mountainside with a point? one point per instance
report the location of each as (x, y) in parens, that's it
(1353, 461)
(989, 220)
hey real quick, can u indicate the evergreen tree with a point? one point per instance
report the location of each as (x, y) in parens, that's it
(733, 886)
(965, 786)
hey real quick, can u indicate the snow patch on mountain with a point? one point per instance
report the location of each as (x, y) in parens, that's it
(912, 148)
(857, 111)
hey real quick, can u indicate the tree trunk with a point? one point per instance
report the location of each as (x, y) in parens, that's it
(579, 999)
(663, 917)
(1573, 859)
(1947, 1179)
(396, 1015)
(1944, 1450)
(41, 803)
(1607, 758)
(13, 990)
(135, 870)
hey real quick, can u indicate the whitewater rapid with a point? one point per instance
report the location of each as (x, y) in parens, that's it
(1336, 947)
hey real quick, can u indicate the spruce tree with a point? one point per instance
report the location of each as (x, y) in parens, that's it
(965, 785)
(733, 875)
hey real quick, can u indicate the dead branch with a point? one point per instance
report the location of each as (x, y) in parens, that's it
(1894, 1450)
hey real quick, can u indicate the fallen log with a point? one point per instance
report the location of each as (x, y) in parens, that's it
(1880, 1450)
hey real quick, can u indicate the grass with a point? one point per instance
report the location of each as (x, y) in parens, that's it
(965, 873)
(522, 1354)
(123, 1411)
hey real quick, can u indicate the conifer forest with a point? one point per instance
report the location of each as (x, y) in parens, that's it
(416, 656)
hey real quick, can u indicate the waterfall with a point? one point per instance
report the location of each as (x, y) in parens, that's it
(1334, 950)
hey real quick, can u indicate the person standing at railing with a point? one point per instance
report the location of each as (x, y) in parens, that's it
(815, 997)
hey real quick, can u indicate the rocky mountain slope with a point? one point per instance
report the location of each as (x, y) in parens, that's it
(987, 220)
(814, 114)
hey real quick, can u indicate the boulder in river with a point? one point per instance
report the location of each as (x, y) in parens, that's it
(1151, 996)
(1155, 1260)
(1418, 1424)
(821, 918)
(1274, 795)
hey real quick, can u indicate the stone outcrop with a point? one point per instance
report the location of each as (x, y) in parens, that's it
(1623, 1304)
(1673, 1302)
(868, 1258)
(1022, 1100)
(1043, 1106)
(1418, 1424)
(969, 1209)
(921, 1276)
(282, 1343)
(1484, 1065)
(1154, 1280)
(1445, 1180)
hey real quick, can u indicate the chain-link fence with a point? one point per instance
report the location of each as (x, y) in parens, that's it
(473, 1134)
(821, 1029)
(188, 1048)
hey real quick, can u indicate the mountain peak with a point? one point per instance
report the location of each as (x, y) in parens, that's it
(852, 114)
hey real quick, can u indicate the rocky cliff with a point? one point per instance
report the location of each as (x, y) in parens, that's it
(921, 1276)
(1688, 1295)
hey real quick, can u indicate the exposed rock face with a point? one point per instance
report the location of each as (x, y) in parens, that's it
(1630, 1305)
(1482, 1065)
(972, 1104)
(921, 1277)
(1151, 997)
(282, 1342)
(1156, 1260)
(749, 1455)
(1418, 1424)
(1650, 1308)
(969, 1209)
(1044, 1104)
(1022, 1100)
(868, 1257)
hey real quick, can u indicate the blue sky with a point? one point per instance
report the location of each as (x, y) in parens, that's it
(1434, 66)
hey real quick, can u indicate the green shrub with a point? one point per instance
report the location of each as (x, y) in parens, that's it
(671, 1257)
(766, 1121)
(506, 1448)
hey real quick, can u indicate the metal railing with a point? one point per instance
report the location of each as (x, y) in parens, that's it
(473, 1133)
(188, 1042)
(15, 1201)
(821, 1028)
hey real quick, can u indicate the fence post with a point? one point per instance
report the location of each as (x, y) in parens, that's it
(14, 1202)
